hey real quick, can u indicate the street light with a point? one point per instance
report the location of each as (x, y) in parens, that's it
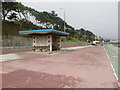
(85, 32)
(64, 19)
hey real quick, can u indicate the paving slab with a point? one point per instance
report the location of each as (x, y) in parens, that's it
(82, 68)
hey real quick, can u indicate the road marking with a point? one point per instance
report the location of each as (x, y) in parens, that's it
(111, 65)
(115, 56)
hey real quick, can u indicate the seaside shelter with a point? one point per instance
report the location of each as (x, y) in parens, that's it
(45, 39)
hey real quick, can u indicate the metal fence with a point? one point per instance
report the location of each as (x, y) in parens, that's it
(17, 42)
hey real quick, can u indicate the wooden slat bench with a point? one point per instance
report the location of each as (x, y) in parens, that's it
(41, 48)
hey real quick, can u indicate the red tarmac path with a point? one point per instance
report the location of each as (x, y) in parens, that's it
(82, 68)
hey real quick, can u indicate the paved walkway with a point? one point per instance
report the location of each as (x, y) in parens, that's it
(83, 68)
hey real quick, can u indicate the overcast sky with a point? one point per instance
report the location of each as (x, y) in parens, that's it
(99, 17)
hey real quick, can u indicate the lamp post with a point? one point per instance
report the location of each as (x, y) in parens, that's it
(85, 33)
(64, 19)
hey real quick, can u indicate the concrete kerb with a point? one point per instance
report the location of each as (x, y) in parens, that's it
(74, 48)
(7, 57)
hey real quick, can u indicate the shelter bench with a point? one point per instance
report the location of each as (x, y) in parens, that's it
(41, 48)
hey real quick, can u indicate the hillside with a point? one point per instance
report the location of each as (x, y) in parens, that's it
(18, 17)
(11, 28)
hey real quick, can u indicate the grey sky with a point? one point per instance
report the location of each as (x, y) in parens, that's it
(99, 17)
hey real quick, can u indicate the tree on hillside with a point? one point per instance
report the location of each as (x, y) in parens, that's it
(82, 31)
(13, 16)
(53, 13)
(20, 8)
(8, 7)
(17, 7)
